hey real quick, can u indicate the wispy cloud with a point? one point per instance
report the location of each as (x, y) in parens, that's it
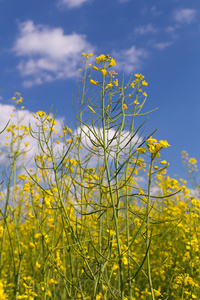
(170, 29)
(146, 29)
(130, 60)
(72, 3)
(185, 15)
(162, 46)
(47, 53)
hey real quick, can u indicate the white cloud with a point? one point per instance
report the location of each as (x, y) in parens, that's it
(162, 46)
(146, 29)
(89, 136)
(185, 15)
(72, 3)
(129, 60)
(25, 117)
(170, 29)
(47, 53)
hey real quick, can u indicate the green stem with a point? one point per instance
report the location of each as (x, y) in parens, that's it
(148, 240)
(115, 213)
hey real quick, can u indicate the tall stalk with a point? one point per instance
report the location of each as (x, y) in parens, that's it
(148, 238)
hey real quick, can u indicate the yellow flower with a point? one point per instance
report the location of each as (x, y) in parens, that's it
(52, 281)
(32, 245)
(106, 110)
(104, 72)
(95, 68)
(29, 215)
(192, 161)
(139, 163)
(37, 235)
(112, 63)
(141, 150)
(91, 109)
(136, 102)
(22, 177)
(139, 76)
(3, 296)
(144, 94)
(144, 83)
(40, 113)
(164, 144)
(37, 265)
(151, 140)
(133, 85)
(87, 55)
(157, 293)
(140, 191)
(108, 85)
(116, 82)
(154, 148)
(163, 162)
(99, 296)
(1, 231)
(100, 58)
(94, 82)
(158, 155)
(124, 106)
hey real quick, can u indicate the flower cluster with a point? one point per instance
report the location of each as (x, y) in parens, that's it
(154, 146)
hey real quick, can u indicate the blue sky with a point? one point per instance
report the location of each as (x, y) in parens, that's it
(42, 41)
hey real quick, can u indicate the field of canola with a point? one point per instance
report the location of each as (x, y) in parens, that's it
(96, 216)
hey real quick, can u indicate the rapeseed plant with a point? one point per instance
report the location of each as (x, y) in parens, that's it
(97, 217)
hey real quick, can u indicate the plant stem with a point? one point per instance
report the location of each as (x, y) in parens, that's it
(148, 240)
